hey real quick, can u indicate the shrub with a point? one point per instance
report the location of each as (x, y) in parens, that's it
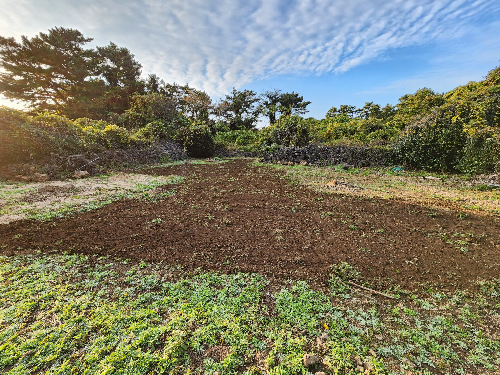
(197, 139)
(245, 140)
(116, 136)
(481, 154)
(341, 129)
(155, 130)
(288, 131)
(435, 142)
(24, 137)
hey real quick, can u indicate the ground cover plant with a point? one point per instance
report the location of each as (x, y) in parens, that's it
(244, 269)
(71, 313)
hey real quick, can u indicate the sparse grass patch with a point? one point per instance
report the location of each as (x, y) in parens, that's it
(58, 199)
(431, 189)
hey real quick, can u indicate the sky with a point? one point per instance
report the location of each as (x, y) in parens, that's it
(331, 52)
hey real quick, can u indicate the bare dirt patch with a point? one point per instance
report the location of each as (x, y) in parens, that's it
(235, 216)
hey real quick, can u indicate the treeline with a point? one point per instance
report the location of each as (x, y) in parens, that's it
(88, 100)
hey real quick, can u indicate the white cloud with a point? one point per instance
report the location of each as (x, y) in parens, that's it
(214, 45)
(461, 62)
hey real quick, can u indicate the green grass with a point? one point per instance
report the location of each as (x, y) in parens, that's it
(74, 314)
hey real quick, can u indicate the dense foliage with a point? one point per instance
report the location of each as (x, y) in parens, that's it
(88, 99)
(197, 140)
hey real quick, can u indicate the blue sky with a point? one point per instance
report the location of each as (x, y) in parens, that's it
(332, 52)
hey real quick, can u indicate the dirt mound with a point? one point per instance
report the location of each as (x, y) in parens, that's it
(234, 217)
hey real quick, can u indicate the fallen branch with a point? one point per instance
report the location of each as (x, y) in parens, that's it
(370, 290)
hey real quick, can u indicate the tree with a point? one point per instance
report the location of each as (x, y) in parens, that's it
(344, 114)
(195, 105)
(54, 72)
(332, 112)
(240, 109)
(270, 103)
(283, 103)
(51, 71)
(155, 85)
(292, 104)
(370, 110)
(121, 75)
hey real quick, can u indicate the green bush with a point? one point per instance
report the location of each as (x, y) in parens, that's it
(148, 108)
(413, 106)
(153, 131)
(288, 131)
(345, 130)
(197, 139)
(244, 140)
(25, 137)
(116, 136)
(435, 142)
(481, 154)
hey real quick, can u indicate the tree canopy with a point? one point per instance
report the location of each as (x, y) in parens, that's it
(54, 71)
(282, 103)
(240, 109)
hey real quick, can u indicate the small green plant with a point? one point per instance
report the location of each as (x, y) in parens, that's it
(340, 275)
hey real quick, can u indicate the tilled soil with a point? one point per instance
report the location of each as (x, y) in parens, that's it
(234, 216)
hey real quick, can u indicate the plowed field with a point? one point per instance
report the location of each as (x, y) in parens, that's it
(235, 216)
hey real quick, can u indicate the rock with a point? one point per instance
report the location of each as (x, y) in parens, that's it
(432, 178)
(323, 338)
(408, 362)
(358, 361)
(303, 162)
(367, 366)
(372, 353)
(22, 178)
(80, 174)
(360, 369)
(40, 177)
(310, 360)
(319, 373)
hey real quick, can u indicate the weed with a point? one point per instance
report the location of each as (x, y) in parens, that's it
(68, 313)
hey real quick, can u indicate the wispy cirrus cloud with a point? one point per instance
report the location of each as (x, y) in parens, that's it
(215, 45)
